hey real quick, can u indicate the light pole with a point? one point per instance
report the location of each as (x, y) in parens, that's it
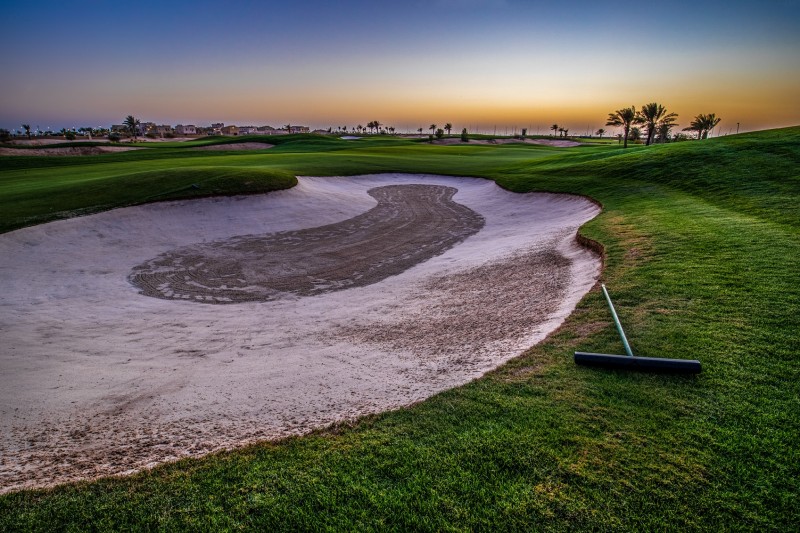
(737, 128)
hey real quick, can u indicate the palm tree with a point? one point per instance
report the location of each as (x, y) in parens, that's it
(391, 130)
(703, 124)
(377, 126)
(664, 126)
(27, 128)
(663, 130)
(600, 132)
(288, 128)
(419, 130)
(696, 125)
(359, 127)
(623, 117)
(448, 127)
(432, 127)
(554, 127)
(132, 124)
(560, 132)
(650, 115)
(566, 132)
(711, 123)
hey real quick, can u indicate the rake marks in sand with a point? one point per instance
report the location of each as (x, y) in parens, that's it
(410, 224)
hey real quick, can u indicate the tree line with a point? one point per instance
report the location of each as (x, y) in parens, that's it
(658, 123)
(656, 120)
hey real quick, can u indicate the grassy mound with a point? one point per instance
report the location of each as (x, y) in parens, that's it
(754, 172)
(312, 141)
(701, 243)
(26, 203)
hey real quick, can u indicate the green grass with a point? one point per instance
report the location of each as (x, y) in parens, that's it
(701, 244)
(26, 200)
(39, 189)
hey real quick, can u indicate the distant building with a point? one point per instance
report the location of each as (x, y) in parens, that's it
(148, 127)
(248, 130)
(189, 129)
(266, 130)
(217, 128)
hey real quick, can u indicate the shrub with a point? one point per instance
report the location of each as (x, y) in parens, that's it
(464, 136)
(439, 133)
(70, 135)
(114, 137)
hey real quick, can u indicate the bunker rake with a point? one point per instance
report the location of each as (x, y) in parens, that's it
(633, 362)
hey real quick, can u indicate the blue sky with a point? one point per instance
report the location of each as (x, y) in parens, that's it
(470, 62)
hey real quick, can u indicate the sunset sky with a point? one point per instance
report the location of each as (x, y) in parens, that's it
(474, 63)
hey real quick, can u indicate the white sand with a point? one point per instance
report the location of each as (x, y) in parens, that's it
(97, 379)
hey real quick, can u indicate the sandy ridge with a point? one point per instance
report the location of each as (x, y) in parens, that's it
(67, 150)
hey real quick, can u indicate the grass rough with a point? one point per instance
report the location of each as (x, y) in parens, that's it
(701, 241)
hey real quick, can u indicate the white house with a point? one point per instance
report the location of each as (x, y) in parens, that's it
(266, 130)
(188, 129)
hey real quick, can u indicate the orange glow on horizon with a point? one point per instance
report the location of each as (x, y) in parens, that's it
(480, 62)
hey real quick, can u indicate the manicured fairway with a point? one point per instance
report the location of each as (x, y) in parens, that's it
(702, 241)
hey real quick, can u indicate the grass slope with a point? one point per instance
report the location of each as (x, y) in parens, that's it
(26, 201)
(49, 188)
(701, 243)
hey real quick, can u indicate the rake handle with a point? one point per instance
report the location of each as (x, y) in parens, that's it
(628, 350)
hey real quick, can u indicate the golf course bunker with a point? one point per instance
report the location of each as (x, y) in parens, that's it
(348, 296)
(410, 224)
